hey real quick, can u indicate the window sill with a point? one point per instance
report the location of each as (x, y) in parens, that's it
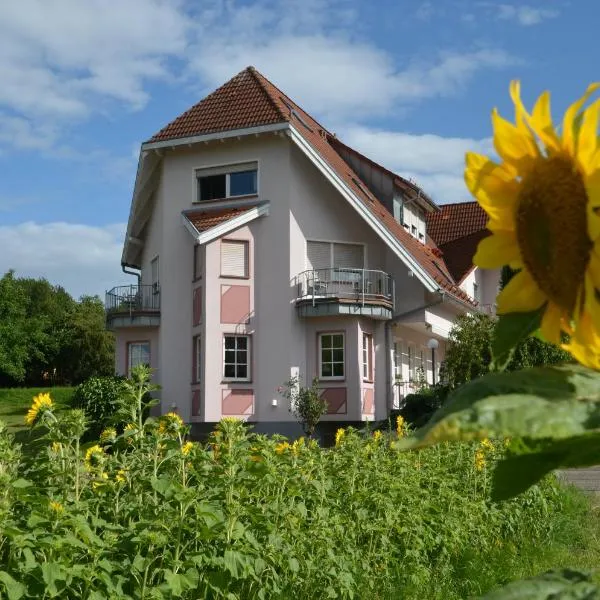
(245, 277)
(226, 198)
(368, 380)
(334, 379)
(225, 381)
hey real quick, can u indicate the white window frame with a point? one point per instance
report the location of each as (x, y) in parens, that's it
(411, 353)
(248, 357)
(398, 360)
(227, 170)
(246, 244)
(332, 377)
(367, 357)
(130, 345)
(331, 252)
(198, 262)
(155, 274)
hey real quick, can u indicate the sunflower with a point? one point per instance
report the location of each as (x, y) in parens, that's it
(42, 403)
(543, 203)
(94, 457)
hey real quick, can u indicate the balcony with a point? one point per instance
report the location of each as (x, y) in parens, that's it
(133, 306)
(343, 291)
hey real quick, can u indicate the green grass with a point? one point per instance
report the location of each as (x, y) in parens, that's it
(14, 404)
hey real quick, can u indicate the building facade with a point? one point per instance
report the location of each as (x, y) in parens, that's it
(266, 249)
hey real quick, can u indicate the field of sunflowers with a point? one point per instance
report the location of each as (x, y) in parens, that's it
(144, 512)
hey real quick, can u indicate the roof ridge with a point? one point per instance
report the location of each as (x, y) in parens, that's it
(257, 75)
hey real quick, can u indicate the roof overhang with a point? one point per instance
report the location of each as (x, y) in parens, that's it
(392, 242)
(148, 175)
(209, 235)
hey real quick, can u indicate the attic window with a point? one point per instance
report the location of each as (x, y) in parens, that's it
(359, 185)
(231, 181)
(294, 113)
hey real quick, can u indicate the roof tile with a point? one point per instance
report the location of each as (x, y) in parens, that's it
(454, 221)
(203, 219)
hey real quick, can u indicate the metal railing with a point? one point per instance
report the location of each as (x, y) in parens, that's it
(132, 298)
(357, 285)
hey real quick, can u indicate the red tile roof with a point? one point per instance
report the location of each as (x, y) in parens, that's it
(455, 221)
(203, 219)
(458, 229)
(249, 99)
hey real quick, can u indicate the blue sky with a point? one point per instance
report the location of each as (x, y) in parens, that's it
(410, 83)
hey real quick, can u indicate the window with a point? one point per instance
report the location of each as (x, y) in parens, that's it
(227, 182)
(236, 357)
(367, 357)
(413, 230)
(138, 353)
(197, 358)
(476, 292)
(325, 255)
(331, 356)
(234, 258)
(154, 275)
(198, 262)
(398, 360)
(398, 209)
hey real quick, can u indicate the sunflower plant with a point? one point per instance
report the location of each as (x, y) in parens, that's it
(542, 198)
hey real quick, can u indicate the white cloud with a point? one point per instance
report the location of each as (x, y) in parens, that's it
(436, 163)
(525, 15)
(82, 258)
(325, 67)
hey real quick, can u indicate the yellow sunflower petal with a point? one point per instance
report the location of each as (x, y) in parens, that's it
(551, 323)
(521, 294)
(494, 187)
(568, 135)
(497, 250)
(584, 344)
(592, 286)
(587, 143)
(541, 122)
(515, 94)
(515, 145)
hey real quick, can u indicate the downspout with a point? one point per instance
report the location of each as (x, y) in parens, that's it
(125, 266)
(388, 342)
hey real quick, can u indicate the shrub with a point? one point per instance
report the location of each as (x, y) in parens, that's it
(418, 408)
(98, 397)
(306, 403)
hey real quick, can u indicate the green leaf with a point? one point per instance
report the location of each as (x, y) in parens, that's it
(555, 585)
(21, 483)
(52, 572)
(510, 330)
(14, 589)
(294, 565)
(546, 402)
(515, 474)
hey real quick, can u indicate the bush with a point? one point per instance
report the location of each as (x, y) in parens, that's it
(98, 397)
(149, 514)
(418, 408)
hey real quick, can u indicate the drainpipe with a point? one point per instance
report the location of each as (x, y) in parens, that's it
(125, 266)
(388, 342)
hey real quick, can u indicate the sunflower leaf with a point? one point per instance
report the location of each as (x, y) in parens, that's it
(510, 330)
(518, 472)
(540, 403)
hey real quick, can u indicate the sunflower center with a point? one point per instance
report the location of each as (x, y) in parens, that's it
(551, 226)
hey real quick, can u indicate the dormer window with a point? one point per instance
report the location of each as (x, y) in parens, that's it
(232, 181)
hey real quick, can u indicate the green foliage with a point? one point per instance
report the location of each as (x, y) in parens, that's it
(151, 515)
(418, 408)
(47, 337)
(17, 397)
(474, 338)
(98, 397)
(306, 403)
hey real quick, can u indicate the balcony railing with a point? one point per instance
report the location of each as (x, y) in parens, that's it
(360, 286)
(132, 299)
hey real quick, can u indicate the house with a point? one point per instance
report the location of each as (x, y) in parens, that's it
(265, 248)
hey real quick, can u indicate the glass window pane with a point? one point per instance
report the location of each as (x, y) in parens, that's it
(338, 369)
(338, 356)
(229, 370)
(326, 356)
(242, 183)
(242, 357)
(242, 371)
(325, 341)
(211, 187)
(242, 342)
(326, 370)
(229, 342)
(229, 356)
(338, 341)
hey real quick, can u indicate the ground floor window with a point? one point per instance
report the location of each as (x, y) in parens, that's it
(138, 353)
(236, 357)
(367, 357)
(197, 359)
(331, 356)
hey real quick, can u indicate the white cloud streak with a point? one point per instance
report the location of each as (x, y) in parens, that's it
(525, 15)
(83, 259)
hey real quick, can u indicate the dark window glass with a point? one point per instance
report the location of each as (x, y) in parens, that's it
(326, 370)
(212, 187)
(338, 369)
(242, 183)
(242, 371)
(229, 370)
(230, 343)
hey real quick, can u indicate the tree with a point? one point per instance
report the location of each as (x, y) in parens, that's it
(14, 346)
(469, 354)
